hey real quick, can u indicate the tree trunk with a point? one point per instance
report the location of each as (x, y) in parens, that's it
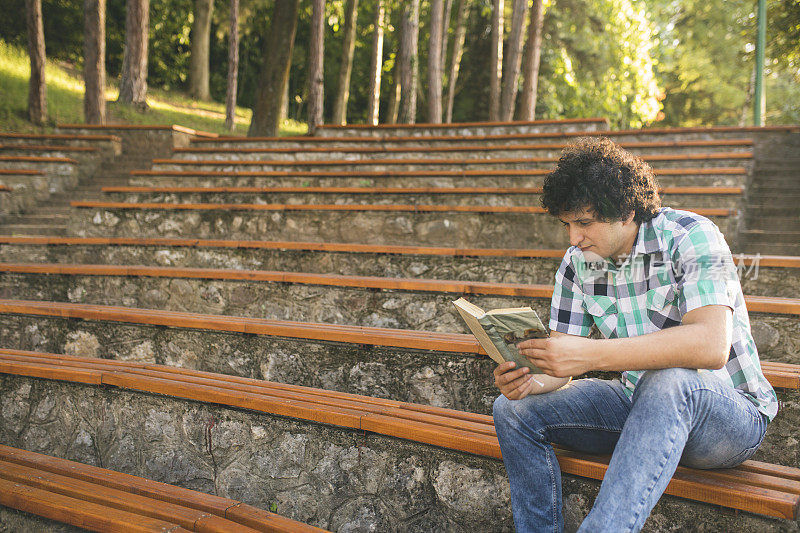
(94, 61)
(533, 54)
(274, 75)
(496, 60)
(37, 90)
(458, 49)
(408, 62)
(435, 63)
(513, 60)
(201, 36)
(284, 113)
(315, 66)
(448, 8)
(346, 66)
(133, 81)
(375, 67)
(233, 68)
(394, 102)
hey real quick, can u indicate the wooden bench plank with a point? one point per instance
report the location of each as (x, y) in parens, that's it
(84, 491)
(744, 488)
(389, 161)
(59, 136)
(395, 190)
(78, 513)
(705, 211)
(48, 147)
(36, 159)
(778, 261)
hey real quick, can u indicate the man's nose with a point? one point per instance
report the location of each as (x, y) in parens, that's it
(575, 236)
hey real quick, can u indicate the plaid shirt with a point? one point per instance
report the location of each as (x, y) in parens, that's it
(680, 262)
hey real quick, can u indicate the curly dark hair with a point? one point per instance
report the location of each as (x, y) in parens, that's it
(595, 173)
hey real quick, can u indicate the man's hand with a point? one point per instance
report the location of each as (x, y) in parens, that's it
(514, 384)
(560, 355)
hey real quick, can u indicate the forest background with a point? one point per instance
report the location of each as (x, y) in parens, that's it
(657, 63)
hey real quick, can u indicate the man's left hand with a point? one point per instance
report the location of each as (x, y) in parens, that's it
(560, 356)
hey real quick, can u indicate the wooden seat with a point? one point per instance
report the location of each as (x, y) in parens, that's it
(37, 159)
(757, 487)
(5, 188)
(49, 148)
(397, 190)
(784, 373)
(56, 136)
(455, 162)
(464, 148)
(709, 211)
(104, 500)
(776, 261)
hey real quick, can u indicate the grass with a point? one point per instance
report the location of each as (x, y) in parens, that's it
(65, 102)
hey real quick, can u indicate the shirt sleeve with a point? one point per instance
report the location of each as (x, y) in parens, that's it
(567, 314)
(704, 269)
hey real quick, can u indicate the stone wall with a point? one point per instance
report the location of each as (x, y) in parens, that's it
(473, 230)
(326, 476)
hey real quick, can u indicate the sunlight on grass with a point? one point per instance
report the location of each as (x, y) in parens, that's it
(65, 102)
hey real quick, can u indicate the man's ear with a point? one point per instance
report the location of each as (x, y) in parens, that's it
(629, 218)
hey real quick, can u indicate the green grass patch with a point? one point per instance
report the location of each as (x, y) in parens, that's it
(65, 102)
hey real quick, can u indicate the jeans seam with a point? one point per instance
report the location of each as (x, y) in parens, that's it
(648, 491)
(553, 495)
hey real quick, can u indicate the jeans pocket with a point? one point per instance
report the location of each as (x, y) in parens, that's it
(741, 457)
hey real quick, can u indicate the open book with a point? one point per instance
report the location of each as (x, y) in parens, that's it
(500, 330)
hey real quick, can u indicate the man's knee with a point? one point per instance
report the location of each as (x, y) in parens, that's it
(667, 381)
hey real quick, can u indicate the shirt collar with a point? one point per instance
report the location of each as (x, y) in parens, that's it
(648, 240)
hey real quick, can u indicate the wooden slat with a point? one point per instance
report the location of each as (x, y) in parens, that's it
(20, 172)
(389, 161)
(428, 125)
(66, 137)
(748, 489)
(162, 127)
(78, 513)
(395, 190)
(114, 499)
(717, 171)
(776, 261)
(5, 188)
(706, 211)
(35, 159)
(459, 148)
(48, 147)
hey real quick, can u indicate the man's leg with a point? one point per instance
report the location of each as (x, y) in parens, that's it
(678, 415)
(586, 415)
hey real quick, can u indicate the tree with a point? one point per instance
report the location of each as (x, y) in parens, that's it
(274, 75)
(407, 62)
(94, 61)
(133, 81)
(346, 66)
(37, 90)
(316, 55)
(435, 63)
(375, 66)
(201, 35)
(496, 60)
(513, 59)
(448, 8)
(533, 53)
(233, 68)
(458, 49)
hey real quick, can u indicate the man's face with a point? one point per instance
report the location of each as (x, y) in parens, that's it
(598, 239)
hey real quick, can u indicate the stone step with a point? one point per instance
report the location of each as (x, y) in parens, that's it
(765, 276)
(764, 210)
(351, 479)
(375, 302)
(721, 177)
(23, 230)
(43, 217)
(101, 142)
(490, 196)
(699, 160)
(467, 128)
(442, 379)
(757, 246)
(772, 236)
(478, 151)
(460, 226)
(766, 136)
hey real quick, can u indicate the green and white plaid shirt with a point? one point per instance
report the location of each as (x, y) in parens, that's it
(680, 262)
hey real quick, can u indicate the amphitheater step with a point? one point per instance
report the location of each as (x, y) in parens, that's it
(721, 177)
(413, 467)
(438, 225)
(22, 230)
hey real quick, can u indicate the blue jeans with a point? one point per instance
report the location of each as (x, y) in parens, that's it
(675, 416)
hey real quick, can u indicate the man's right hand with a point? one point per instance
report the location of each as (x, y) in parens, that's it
(514, 384)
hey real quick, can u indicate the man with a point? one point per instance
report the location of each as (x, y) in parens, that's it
(661, 287)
